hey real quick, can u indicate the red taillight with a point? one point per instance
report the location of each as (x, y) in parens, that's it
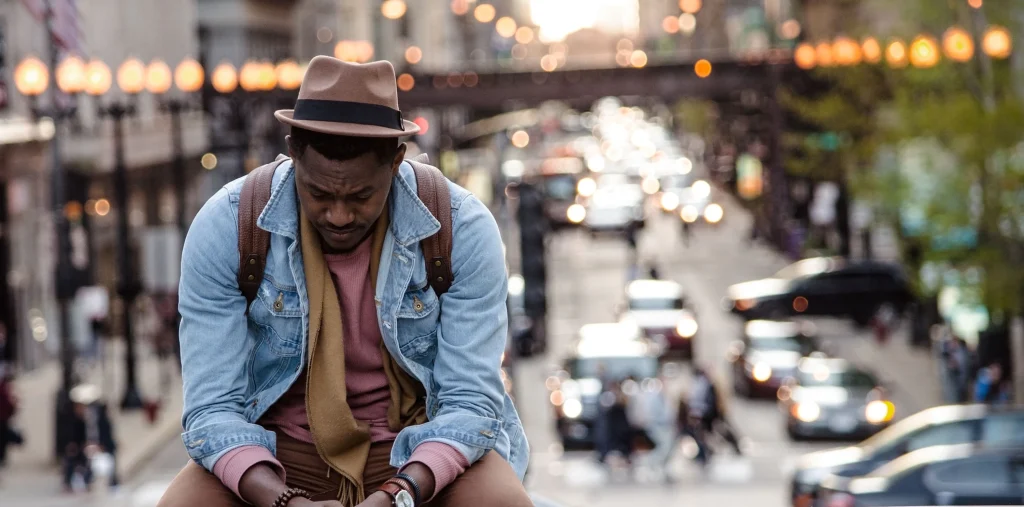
(840, 500)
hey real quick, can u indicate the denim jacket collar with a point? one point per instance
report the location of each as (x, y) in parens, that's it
(411, 220)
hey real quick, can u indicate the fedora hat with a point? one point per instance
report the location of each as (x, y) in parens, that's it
(348, 99)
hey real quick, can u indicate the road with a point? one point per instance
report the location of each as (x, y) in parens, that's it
(587, 277)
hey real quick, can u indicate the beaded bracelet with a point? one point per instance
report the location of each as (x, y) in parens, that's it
(287, 496)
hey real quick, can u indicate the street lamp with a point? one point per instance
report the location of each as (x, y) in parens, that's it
(32, 79)
(188, 77)
(131, 79)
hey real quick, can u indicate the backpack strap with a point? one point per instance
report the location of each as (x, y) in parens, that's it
(432, 188)
(253, 242)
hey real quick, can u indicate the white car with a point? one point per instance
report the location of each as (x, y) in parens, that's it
(659, 309)
(613, 207)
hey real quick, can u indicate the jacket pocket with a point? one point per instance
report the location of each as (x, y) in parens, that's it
(276, 319)
(417, 325)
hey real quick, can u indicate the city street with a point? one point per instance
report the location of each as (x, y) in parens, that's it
(587, 276)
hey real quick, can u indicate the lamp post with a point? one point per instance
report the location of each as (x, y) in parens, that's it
(32, 78)
(235, 109)
(131, 77)
(188, 78)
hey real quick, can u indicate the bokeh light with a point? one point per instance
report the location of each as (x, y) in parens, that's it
(690, 6)
(702, 68)
(71, 75)
(484, 13)
(524, 35)
(896, 54)
(189, 76)
(158, 77)
(670, 24)
(31, 77)
(871, 50)
(520, 139)
(406, 82)
(957, 44)
(846, 51)
(924, 52)
(98, 78)
(638, 59)
(805, 56)
(224, 78)
(393, 9)
(131, 76)
(823, 54)
(413, 54)
(997, 42)
(505, 26)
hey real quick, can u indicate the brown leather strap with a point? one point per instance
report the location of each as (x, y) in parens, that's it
(253, 242)
(432, 187)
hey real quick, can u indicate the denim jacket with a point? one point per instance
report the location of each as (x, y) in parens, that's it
(235, 367)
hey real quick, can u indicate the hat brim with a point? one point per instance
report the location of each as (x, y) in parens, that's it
(346, 129)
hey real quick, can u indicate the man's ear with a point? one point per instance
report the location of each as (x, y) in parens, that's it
(291, 147)
(399, 157)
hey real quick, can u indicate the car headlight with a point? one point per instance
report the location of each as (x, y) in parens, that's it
(807, 411)
(879, 411)
(689, 213)
(687, 327)
(713, 213)
(572, 408)
(576, 213)
(761, 372)
(586, 187)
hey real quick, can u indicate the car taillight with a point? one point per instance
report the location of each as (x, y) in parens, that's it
(840, 500)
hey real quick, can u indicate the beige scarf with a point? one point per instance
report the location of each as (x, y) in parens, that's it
(341, 440)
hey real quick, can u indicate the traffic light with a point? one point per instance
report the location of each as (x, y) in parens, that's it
(533, 227)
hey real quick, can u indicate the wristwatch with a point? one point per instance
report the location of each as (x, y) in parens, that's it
(399, 496)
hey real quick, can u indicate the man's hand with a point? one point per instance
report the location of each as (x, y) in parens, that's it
(377, 499)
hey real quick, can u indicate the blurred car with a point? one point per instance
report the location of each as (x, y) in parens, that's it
(952, 424)
(832, 398)
(616, 203)
(824, 286)
(964, 474)
(695, 205)
(603, 353)
(559, 178)
(659, 309)
(768, 354)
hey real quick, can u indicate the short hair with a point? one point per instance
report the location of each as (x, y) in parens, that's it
(341, 148)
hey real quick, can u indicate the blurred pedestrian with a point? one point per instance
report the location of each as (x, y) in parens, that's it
(991, 387)
(707, 410)
(8, 408)
(687, 234)
(91, 435)
(631, 240)
(955, 369)
(652, 272)
(614, 432)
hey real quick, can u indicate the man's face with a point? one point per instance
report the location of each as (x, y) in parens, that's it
(343, 199)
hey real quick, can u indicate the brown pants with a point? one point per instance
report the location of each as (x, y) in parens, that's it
(490, 482)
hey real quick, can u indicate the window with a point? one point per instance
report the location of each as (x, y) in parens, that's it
(977, 471)
(1003, 429)
(614, 368)
(656, 304)
(944, 434)
(853, 378)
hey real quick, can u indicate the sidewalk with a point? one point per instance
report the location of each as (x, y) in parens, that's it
(910, 372)
(32, 472)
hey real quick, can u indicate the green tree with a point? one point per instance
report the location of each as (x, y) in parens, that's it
(960, 124)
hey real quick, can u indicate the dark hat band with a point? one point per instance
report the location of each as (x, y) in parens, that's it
(340, 111)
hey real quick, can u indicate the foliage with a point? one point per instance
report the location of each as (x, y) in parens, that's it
(958, 125)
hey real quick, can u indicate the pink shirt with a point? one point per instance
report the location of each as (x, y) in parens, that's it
(369, 395)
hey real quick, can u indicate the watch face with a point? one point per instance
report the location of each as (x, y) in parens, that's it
(403, 499)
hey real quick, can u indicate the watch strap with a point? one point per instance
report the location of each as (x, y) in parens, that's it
(413, 486)
(392, 489)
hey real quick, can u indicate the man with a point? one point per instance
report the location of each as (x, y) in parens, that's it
(347, 381)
